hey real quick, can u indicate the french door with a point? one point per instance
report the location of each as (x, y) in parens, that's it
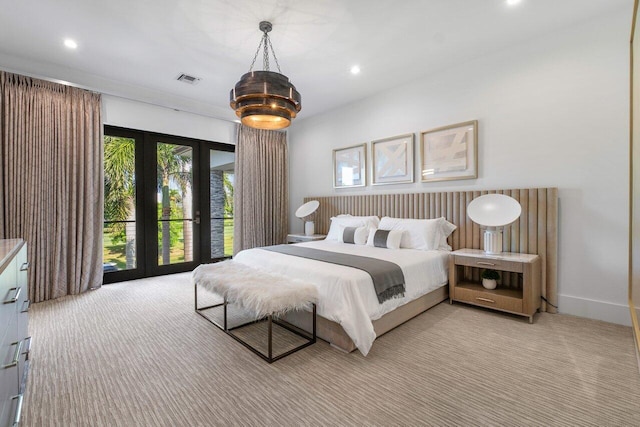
(157, 188)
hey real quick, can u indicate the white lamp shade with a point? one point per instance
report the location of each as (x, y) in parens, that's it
(307, 209)
(494, 210)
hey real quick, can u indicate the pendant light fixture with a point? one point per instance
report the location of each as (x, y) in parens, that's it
(265, 99)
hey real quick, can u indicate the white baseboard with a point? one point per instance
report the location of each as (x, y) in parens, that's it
(593, 309)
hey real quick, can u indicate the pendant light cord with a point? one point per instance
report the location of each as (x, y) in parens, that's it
(273, 52)
(257, 51)
(265, 44)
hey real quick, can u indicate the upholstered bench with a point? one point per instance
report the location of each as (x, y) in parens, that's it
(264, 295)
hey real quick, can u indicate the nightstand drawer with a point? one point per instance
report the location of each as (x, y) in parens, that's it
(494, 264)
(488, 299)
(296, 239)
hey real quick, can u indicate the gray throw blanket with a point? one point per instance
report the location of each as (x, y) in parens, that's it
(388, 279)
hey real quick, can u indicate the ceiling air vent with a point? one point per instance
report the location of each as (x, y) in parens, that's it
(186, 78)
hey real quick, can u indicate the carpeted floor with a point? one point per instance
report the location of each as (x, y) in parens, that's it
(136, 354)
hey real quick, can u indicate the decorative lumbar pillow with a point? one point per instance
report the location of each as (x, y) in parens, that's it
(354, 235)
(389, 239)
(422, 234)
(339, 222)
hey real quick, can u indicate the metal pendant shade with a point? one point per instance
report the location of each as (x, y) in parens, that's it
(265, 99)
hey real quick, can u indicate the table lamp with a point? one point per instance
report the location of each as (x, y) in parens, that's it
(493, 212)
(305, 211)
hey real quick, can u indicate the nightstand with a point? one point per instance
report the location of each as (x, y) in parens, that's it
(518, 291)
(298, 238)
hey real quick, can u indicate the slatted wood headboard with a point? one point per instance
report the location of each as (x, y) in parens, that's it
(536, 232)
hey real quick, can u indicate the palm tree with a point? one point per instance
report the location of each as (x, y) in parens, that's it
(176, 167)
(119, 194)
(227, 183)
(119, 206)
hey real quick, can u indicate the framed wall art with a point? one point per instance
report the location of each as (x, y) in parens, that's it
(392, 160)
(350, 166)
(449, 152)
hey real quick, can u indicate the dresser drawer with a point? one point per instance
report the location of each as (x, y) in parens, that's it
(495, 264)
(8, 300)
(499, 301)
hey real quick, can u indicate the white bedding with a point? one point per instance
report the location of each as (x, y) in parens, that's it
(346, 295)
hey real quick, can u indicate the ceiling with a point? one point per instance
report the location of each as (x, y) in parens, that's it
(137, 48)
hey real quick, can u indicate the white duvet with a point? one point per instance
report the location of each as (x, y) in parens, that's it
(346, 295)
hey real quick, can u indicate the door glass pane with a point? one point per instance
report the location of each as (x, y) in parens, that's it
(119, 230)
(222, 164)
(175, 208)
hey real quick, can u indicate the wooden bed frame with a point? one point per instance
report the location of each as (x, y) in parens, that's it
(536, 232)
(333, 333)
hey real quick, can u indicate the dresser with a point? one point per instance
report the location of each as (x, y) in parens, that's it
(14, 339)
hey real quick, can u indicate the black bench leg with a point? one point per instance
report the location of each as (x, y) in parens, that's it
(270, 338)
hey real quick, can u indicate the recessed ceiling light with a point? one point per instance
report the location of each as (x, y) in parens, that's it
(355, 70)
(70, 44)
(512, 2)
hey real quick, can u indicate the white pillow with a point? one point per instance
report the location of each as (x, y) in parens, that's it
(339, 222)
(389, 239)
(371, 218)
(422, 234)
(354, 235)
(446, 228)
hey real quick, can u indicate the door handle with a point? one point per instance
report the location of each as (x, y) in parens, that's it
(197, 218)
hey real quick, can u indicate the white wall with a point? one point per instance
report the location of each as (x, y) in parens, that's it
(552, 112)
(143, 116)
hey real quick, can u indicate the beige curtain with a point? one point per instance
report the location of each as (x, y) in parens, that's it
(261, 194)
(52, 181)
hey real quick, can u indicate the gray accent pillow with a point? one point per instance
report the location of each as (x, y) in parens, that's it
(349, 235)
(389, 239)
(354, 235)
(380, 238)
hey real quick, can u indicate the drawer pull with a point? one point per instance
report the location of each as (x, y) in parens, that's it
(485, 299)
(16, 418)
(27, 346)
(15, 298)
(26, 303)
(485, 263)
(24, 266)
(16, 355)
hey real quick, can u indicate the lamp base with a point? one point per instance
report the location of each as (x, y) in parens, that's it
(493, 242)
(309, 228)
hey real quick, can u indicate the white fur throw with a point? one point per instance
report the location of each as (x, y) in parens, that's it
(255, 290)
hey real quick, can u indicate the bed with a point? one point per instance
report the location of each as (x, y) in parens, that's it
(346, 295)
(348, 306)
